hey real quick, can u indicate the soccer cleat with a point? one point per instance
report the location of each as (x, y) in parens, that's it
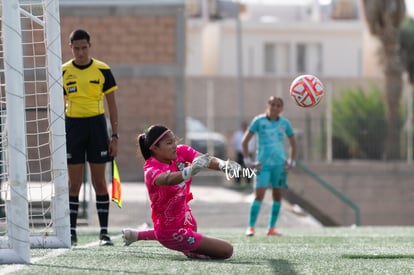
(273, 232)
(129, 235)
(73, 239)
(105, 240)
(250, 232)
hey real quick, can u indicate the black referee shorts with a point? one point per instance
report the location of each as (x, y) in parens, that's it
(87, 138)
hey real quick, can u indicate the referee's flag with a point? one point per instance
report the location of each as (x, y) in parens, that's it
(116, 185)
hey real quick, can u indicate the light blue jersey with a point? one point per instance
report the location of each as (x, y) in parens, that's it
(271, 139)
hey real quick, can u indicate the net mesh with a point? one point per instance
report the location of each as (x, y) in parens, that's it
(37, 117)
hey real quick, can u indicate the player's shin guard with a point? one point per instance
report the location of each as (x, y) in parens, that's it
(102, 207)
(274, 214)
(254, 212)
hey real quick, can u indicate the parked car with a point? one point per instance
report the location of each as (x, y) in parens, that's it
(198, 136)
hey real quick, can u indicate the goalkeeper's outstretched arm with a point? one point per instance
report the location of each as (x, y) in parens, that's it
(199, 163)
(169, 178)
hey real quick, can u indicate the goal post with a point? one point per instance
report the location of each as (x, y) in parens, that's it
(34, 206)
(16, 207)
(60, 205)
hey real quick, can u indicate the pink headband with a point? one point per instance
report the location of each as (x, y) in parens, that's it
(160, 137)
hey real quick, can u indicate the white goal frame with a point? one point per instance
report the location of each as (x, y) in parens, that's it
(15, 246)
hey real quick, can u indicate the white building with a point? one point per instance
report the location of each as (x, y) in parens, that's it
(284, 40)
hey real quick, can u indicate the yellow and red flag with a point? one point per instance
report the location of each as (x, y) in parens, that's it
(116, 185)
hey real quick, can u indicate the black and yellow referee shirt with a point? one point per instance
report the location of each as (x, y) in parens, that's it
(85, 88)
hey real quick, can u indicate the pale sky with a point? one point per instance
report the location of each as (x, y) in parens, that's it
(410, 7)
(409, 3)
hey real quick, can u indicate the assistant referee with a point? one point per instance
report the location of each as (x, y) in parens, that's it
(86, 83)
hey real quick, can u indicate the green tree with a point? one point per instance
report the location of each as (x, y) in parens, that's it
(384, 19)
(407, 58)
(407, 47)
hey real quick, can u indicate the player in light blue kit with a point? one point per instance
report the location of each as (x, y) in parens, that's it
(272, 162)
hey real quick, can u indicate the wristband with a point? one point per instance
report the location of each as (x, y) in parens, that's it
(248, 162)
(291, 163)
(186, 173)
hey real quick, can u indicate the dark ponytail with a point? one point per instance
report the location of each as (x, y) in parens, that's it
(147, 139)
(146, 153)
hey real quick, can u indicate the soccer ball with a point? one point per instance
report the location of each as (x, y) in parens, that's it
(306, 90)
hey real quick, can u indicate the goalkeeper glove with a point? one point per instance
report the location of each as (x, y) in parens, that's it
(198, 164)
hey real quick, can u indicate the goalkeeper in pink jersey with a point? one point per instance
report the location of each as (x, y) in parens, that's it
(168, 170)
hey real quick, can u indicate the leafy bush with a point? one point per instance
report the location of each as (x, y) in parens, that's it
(359, 125)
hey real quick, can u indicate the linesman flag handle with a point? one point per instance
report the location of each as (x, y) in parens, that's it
(116, 185)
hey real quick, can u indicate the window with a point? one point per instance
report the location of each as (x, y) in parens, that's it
(250, 62)
(301, 58)
(276, 58)
(269, 58)
(309, 58)
(282, 59)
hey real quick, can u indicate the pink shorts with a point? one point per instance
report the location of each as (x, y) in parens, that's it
(180, 239)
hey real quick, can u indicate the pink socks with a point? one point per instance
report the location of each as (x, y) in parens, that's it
(146, 235)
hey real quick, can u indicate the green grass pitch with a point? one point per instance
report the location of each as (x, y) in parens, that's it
(336, 250)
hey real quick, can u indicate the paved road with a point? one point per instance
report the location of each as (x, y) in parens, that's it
(215, 205)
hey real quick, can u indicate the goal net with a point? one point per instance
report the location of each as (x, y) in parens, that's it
(34, 207)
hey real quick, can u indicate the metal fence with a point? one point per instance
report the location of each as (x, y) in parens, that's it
(221, 106)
